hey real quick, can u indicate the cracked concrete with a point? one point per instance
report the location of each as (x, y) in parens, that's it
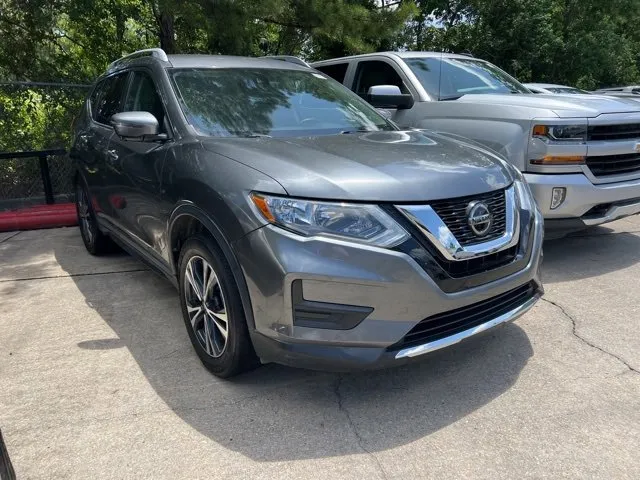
(98, 380)
(574, 328)
(354, 427)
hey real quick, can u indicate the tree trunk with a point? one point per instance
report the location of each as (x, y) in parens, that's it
(167, 32)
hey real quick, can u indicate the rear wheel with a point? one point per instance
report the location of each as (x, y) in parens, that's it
(96, 242)
(212, 310)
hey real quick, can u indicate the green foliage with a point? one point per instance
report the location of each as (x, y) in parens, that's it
(586, 43)
(37, 119)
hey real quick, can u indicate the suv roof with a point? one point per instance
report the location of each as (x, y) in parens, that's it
(157, 55)
(398, 55)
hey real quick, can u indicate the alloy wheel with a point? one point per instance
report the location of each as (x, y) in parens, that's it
(84, 214)
(206, 306)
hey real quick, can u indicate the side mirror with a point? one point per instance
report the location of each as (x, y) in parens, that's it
(139, 126)
(388, 96)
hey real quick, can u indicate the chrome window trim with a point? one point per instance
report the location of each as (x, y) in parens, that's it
(437, 232)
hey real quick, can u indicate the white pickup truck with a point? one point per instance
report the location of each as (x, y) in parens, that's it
(579, 153)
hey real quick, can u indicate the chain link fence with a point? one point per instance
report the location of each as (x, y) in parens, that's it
(32, 178)
(35, 130)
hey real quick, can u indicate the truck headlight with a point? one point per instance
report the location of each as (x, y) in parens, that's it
(561, 133)
(366, 224)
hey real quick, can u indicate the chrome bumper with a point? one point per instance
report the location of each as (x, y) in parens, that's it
(453, 339)
(582, 196)
(614, 213)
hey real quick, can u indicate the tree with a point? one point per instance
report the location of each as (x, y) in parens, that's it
(587, 43)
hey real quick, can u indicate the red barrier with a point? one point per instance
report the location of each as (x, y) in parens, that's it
(40, 216)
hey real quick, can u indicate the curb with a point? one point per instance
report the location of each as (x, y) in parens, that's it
(40, 216)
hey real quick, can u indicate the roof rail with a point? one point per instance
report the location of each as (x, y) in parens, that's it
(288, 58)
(466, 54)
(147, 52)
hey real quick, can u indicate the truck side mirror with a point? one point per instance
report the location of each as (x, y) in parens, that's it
(388, 96)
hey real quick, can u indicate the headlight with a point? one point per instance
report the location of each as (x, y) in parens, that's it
(561, 133)
(366, 224)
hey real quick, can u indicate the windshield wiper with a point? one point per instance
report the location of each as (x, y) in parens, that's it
(254, 135)
(450, 97)
(381, 128)
(356, 130)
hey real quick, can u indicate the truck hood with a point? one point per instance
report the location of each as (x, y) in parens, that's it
(385, 166)
(564, 106)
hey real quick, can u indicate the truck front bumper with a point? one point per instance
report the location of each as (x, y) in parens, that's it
(585, 204)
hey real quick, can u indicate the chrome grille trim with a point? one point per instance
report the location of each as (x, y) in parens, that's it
(453, 213)
(436, 231)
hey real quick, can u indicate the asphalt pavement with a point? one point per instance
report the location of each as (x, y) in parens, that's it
(98, 380)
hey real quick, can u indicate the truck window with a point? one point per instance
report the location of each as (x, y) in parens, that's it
(450, 78)
(376, 72)
(337, 71)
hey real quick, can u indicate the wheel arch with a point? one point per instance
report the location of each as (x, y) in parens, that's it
(186, 220)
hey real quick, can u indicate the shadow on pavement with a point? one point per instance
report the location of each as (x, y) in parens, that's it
(276, 413)
(591, 253)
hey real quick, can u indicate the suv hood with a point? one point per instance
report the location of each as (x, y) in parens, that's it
(564, 106)
(386, 166)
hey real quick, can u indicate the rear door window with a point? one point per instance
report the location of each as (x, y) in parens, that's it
(110, 100)
(337, 71)
(95, 96)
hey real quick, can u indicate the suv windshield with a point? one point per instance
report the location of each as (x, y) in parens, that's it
(283, 103)
(450, 78)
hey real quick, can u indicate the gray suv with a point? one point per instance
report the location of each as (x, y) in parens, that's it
(298, 225)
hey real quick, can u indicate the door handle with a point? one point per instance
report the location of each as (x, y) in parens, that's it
(82, 141)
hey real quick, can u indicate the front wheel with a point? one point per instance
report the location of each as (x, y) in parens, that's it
(212, 310)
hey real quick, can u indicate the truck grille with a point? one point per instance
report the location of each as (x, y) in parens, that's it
(614, 132)
(455, 321)
(614, 164)
(453, 213)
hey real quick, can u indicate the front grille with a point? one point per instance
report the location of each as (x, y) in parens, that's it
(455, 321)
(473, 266)
(614, 164)
(614, 132)
(453, 213)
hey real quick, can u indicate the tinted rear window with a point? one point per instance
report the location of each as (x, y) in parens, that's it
(109, 103)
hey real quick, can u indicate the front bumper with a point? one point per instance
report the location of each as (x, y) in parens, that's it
(585, 204)
(389, 286)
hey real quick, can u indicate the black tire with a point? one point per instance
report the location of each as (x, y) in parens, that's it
(237, 355)
(95, 241)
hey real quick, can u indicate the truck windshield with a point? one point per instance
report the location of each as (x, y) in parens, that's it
(269, 102)
(450, 78)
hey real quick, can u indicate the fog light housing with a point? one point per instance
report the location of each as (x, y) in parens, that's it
(558, 194)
